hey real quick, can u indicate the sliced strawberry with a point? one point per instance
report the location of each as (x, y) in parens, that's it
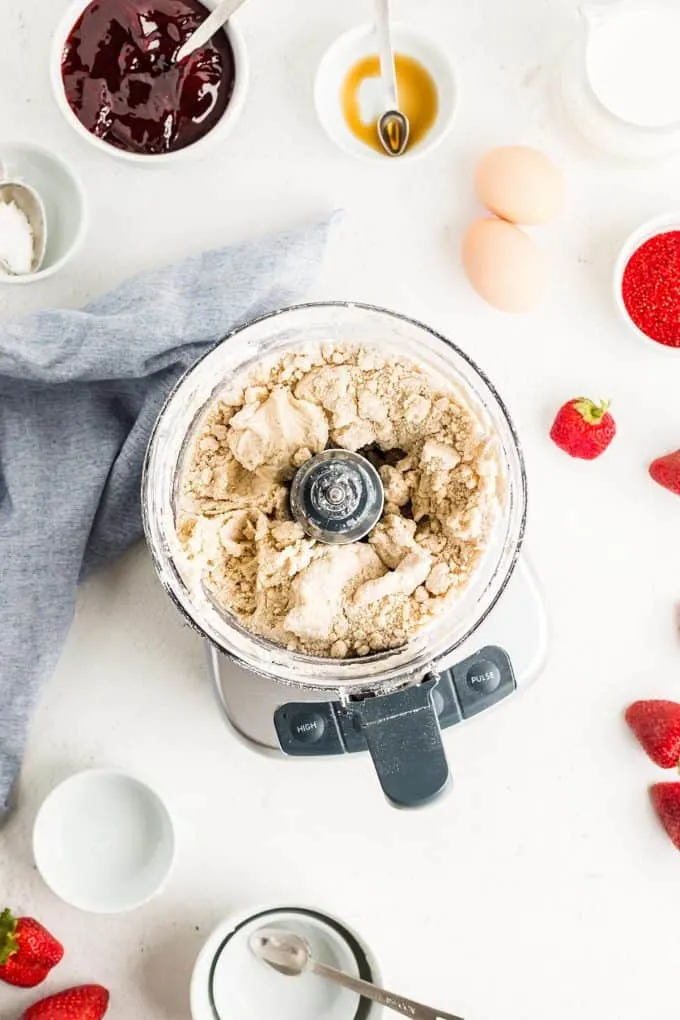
(666, 801)
(87, 1002)
(666, 471)
(656, 724)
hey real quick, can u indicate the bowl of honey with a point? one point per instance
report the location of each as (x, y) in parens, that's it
(349, 95)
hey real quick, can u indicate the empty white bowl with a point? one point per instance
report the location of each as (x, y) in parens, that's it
(198, 148)
(62, 195)
(361, 42)
(104, 842)
(659, 225)
(229, 983)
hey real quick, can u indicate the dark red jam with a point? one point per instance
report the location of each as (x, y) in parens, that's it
(124, 85)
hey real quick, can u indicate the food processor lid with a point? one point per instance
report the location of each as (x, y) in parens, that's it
(337, 497)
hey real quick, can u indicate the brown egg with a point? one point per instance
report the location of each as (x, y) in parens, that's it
(520, 184)
(504, 265)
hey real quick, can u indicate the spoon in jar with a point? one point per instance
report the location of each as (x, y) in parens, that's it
(393, 126)
(207, 29)
(29, 202)
(291, 955)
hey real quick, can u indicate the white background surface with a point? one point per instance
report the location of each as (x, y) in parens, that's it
(542, 888)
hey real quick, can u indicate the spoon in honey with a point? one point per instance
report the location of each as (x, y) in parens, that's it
(393, 125)
(207, 29)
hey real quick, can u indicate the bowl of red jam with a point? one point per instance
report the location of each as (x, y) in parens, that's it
(647, 282)
(118, 83)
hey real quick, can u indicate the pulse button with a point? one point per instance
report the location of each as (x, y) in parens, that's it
(483, 677)
(308, 727)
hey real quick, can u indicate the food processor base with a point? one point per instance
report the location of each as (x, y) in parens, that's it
(505, 654)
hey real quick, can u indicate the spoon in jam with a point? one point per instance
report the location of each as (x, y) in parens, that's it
(393, 125)
(207, 29)
(31, 205)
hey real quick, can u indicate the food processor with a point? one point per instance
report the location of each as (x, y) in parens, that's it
(393, 704)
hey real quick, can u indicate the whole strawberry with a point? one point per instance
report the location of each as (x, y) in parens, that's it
(87, 1002)
(583, 428)
(656, 724)
(27, 951)
(666, 801)
(666, 471)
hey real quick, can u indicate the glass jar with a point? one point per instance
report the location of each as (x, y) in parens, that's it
(603, 126)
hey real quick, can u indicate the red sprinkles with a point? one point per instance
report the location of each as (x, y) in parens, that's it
(651, 288)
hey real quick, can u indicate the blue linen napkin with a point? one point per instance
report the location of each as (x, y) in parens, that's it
(79, 393)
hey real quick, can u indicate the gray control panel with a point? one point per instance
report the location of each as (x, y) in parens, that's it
(462, 691)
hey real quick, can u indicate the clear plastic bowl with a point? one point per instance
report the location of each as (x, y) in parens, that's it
(183, 414)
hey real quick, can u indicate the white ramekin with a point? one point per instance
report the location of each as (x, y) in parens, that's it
(104, 842)
(63, 198)
(659, 225)
(360, 42)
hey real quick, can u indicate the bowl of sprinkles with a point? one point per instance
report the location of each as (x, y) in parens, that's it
(647, 282)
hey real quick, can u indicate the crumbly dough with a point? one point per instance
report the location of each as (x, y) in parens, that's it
(442, 484)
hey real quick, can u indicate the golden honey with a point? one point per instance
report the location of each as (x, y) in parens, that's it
(418, 98)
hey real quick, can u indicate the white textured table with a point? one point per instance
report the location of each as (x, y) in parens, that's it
(542, 887)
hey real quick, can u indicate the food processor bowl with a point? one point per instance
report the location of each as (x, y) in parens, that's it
(368, 678)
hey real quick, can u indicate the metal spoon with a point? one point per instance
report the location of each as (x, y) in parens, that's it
(393, 126)
(207, 29)
(31, 205)
(291, 955)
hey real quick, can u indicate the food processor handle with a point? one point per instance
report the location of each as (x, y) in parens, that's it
(405, 742)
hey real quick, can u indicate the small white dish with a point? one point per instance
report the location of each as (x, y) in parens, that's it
(104, 842)
(198, 148)
(659, 225)
(229, 983)
(362, 42)
(63, 198)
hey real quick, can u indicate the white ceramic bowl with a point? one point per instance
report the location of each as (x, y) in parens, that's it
(361, 42)
(229, 983)
(658, 225)
(104, 842)
(62, 195)
(198, 148)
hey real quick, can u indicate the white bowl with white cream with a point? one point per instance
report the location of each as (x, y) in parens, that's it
(620, 79)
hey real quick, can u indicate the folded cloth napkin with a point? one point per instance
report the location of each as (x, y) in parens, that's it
(79, 393)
